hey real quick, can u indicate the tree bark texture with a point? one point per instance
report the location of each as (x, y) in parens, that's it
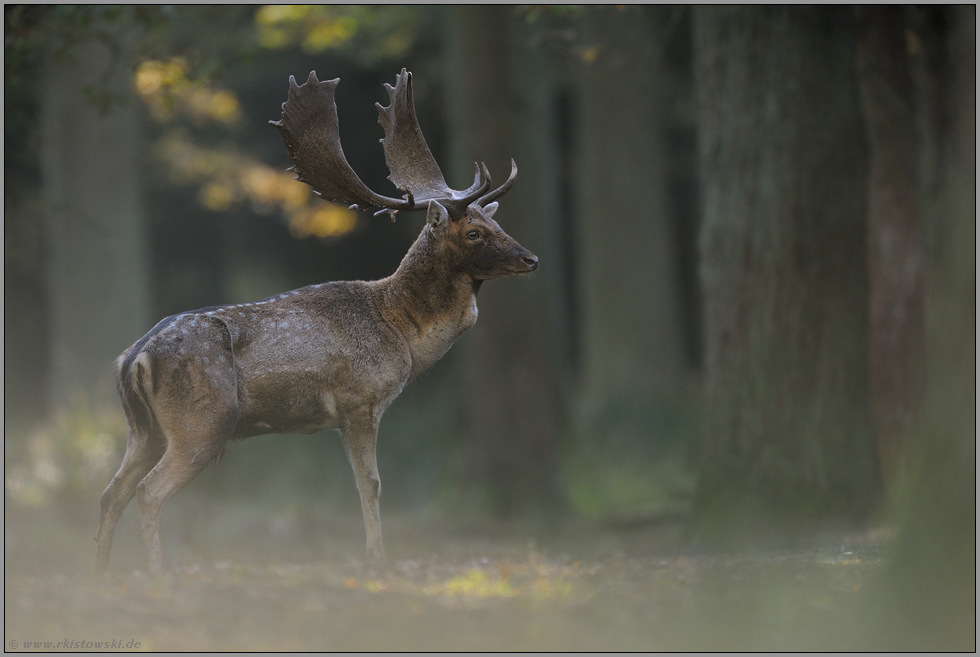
(895, 248)
(499, 109)
(96, 260)
(783, 269)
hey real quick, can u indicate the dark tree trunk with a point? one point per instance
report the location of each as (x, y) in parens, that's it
(96, 260)
(500, 107)
(896, 265)
(783, 269)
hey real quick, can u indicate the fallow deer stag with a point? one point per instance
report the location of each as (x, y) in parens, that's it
(333, 355)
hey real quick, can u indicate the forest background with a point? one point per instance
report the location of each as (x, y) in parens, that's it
(753, 324)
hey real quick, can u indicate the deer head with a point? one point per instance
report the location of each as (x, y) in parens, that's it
(476, 244)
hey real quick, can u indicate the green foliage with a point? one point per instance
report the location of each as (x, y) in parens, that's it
(205, 36)
(534, 13)
(366, 33)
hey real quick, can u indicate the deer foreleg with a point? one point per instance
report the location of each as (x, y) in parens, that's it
(360, 440)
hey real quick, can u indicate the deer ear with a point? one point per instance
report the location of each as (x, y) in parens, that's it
(438, 218)
(490, 209)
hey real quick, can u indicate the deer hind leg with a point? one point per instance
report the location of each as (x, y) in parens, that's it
(176, 469)
(142, 453)
(195, 404)
(360, 441)
(195, 439)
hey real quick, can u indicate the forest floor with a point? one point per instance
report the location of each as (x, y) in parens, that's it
(580, 587)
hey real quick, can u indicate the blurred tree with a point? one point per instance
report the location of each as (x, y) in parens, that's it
(896, 261)
(783, 269)
(500, 107)
(631, 336)
(25, 300)
(931, 591)
(633, 211)
(97, 278)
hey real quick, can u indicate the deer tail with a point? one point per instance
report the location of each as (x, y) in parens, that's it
(134, 377)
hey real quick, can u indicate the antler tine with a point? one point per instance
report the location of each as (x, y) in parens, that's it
(478, 183)
(457, 203)
(500, 191)
(309, 128)
(408, 157)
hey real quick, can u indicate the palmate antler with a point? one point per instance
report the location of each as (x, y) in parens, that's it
(309, 127)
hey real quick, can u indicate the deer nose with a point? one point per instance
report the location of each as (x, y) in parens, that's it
(531, 261)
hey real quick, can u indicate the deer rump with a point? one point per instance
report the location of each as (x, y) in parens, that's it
(332, 355)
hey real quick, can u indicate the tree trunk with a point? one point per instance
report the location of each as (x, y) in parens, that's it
(930, 597)
(783, 270)
(631, 344)
(500, 108)
(896, 260)
(96, 260)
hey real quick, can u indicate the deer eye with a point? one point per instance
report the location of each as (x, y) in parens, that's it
(473, 235)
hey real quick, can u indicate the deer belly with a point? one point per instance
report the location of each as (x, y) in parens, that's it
(289, 410)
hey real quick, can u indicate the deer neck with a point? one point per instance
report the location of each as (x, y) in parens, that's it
(429, 301)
